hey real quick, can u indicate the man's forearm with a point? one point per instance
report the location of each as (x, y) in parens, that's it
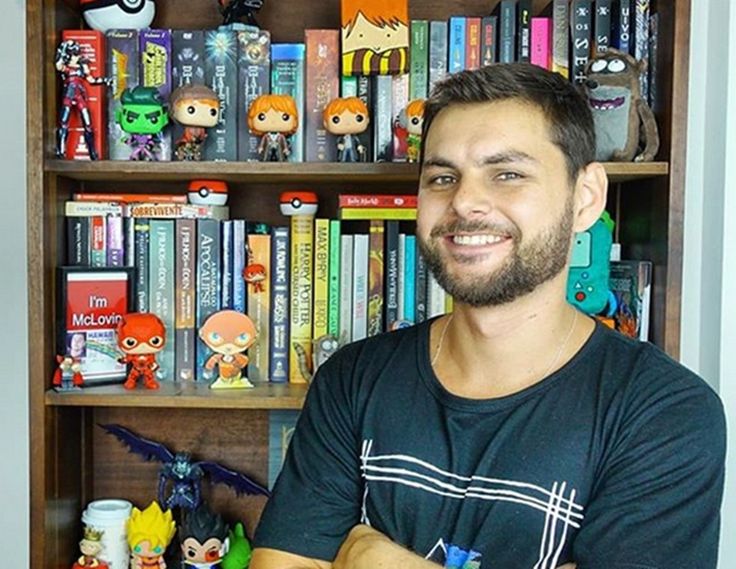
(365, 548)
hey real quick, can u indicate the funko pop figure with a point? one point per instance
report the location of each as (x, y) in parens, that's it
(143, 116)
(149, 533)
(196, 108)
(228, 333)
(274, 118)
(68, 374)
(141, 336)
(414, 122)
(346, 118)
(90, 547)
(105, 15)
(204, 539)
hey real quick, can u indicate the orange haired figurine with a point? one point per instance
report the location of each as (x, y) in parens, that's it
(228, 333)
(273, 118)
(346, 118)
(414, 122)
(141, 336)
(375, 37)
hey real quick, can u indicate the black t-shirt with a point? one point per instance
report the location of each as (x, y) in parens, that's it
(615, 460)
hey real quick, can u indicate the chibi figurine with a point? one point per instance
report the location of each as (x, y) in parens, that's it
(228, 333)
(414, 122)
(625, 127)
(298, 203)
(255, 274)
(274, 118)
(141, 336)
(75, 75)
(196, 108)
(239, 552)
(180, 477)
(207, 192)
(233, 10)
(346, 118)
(68, 374)
(143, 116)
(104, 15)
(90, 546)
(204, 539)
(149, 533)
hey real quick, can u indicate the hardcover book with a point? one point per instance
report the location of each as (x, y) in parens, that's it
(185, 321)
(419, 60)
(360, 286)
(392, 273)
(472, 43)
(507, 31)
(375, 278)
(602, 26)
(321, 276)
(524, 17)
(162, 286)
(561, 37)
(438, 65)
(259, 304)
(221, 75)
(333, 296)
(346, 289)
(142, 230)
(302, 294)
(155, 71)
(280, 276)
(456, 59)
(322, 85)
(489, 44)
(581, 37)
(209, 274)
(254, 80)
(287, 78)
(122, 65)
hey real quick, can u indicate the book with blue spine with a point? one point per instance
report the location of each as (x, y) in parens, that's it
(226, 287)
(582, 35)
(623, 25)
(409, 271)
(280, 276)
(437, 51)
(456, 58)
(162, 279)
(209, 275)
(287, 78)
(400, 271)
(239, 260)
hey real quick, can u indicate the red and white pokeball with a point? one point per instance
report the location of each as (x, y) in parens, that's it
(298, 203)
(104, 15)
(207, 192)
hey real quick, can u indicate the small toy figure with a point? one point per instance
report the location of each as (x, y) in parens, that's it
(414, 122)
(233, 10)
(90, 546)
(197, 108)
(298, 203)
(68, 374)
(255, 274)
(346, 118)
(142, 115)
(181, 474)
(625, 127)
(141, 336)
(149, 533)
(75, 74)
(204, 539)
(105, 15)
(240, 551)
(207, 192)
(273, 118)
(228, 333)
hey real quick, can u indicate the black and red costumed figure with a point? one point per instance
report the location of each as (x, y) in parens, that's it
(75, 74)
(141, 336)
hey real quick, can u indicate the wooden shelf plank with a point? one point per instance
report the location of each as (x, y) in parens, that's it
(265, 172)
(263, 396)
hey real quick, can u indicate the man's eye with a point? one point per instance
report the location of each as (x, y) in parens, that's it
(509, 176)
(442, 180)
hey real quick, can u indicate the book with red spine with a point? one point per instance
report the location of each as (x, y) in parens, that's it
(377, 200)
(472, 43)
(130, 198)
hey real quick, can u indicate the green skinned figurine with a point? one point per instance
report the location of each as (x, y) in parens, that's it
(143, 117)
(239, 554)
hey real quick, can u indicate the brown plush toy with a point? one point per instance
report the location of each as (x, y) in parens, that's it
(625, 127)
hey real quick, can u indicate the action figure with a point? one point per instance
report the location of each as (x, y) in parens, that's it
(414, 122)
(104, 15)
(90, 546)
(196, 108)
(204, 539)
(184, 475)
(75, 74)
(142, 115)
(233, 10)
(149, 533)
(141, 336)
(239, 552)
(346, 118)
(273, 118)
(68, 374)
(228, 333)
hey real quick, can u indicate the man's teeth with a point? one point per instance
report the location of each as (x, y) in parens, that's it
(476, 239)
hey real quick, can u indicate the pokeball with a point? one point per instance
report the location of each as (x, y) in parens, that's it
(104, 15)
(207, 192)
(298, 203)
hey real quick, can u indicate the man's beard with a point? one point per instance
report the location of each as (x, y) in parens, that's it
(528, 266)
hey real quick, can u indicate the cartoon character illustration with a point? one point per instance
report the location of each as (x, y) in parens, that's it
(375, 37)
(143, 116)
(141, 336)
(75, 75)
(274, 118)
(68, 374)
(414, 122)
(90, 547)
(298, 203)
(204, 539)
(207, 192)
(104, 15)
(346, 118)
(196, 108)
(233, 10)
(149, 533)
(228, 333)
(180, 477)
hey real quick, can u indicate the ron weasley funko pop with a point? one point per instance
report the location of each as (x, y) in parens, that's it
(274, 118)
(346, 118)
(196, 108)
(414, 122)
(228, 333)
(141, 336)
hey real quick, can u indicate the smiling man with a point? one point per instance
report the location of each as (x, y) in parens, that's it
(515, 432)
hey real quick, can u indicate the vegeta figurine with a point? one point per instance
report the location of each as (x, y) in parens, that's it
(204, 539)
(143, 117)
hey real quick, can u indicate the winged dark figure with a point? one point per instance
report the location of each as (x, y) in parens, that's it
(234, 10)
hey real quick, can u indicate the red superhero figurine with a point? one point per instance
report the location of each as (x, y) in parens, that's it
(141, 336)
(68, 374)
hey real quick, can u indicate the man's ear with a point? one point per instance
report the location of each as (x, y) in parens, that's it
(591, 189)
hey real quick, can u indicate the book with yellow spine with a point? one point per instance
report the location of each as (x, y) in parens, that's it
(321, 276)
(302, 293)
(368, 213)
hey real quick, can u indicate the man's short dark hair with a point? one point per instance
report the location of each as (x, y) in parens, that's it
(570, 120)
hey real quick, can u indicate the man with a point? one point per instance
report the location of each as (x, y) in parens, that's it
(516, 432)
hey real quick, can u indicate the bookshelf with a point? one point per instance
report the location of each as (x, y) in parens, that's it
(72, 460)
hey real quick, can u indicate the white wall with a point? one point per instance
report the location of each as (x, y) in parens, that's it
(14, 467)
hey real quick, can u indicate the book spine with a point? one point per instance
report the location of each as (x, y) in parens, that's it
(399, 102)
(130, 198)
(348, 86)
(421, 289)
(186, 332)
(457, 44)
(360, 286)
(72, 208)
(254, 80)
(122, 65)
(377, 200)
(524, 18)
(77, 241)
(187, 65)
(392, 273)
(287, 78)
(623, 26)
(176, 210)
(346, 289)
(489, 28)
(365, 92)
(333, 309)
(322, 85)
(161, 279)
(154, 49)
(375, 278)
(279, 346)
(438, 31)
(419, 59)
(226, 287)
(653, 68)
(507, 33)
(115, 241)
(472, 43)
(581, 37)
(561, 37)
(259, 308)
(321, 277)
(98, 241)
(641, 42)
(221, 75)
(142, 229)
(382, 131)
(409, 269)
(368, 213)
(435, 297)
(602, 26)
(302, 294)
(400, 279)
(208, 282)
(239, 260)
(542, 42)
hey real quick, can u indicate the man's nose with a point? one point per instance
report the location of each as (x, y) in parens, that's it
(471, 199)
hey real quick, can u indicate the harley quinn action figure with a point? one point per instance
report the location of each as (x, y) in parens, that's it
(141, 336)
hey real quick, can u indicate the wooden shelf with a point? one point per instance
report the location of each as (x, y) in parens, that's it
(192, 396)
(265, 172)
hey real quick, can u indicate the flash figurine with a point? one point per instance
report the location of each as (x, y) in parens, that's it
(141, 336)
